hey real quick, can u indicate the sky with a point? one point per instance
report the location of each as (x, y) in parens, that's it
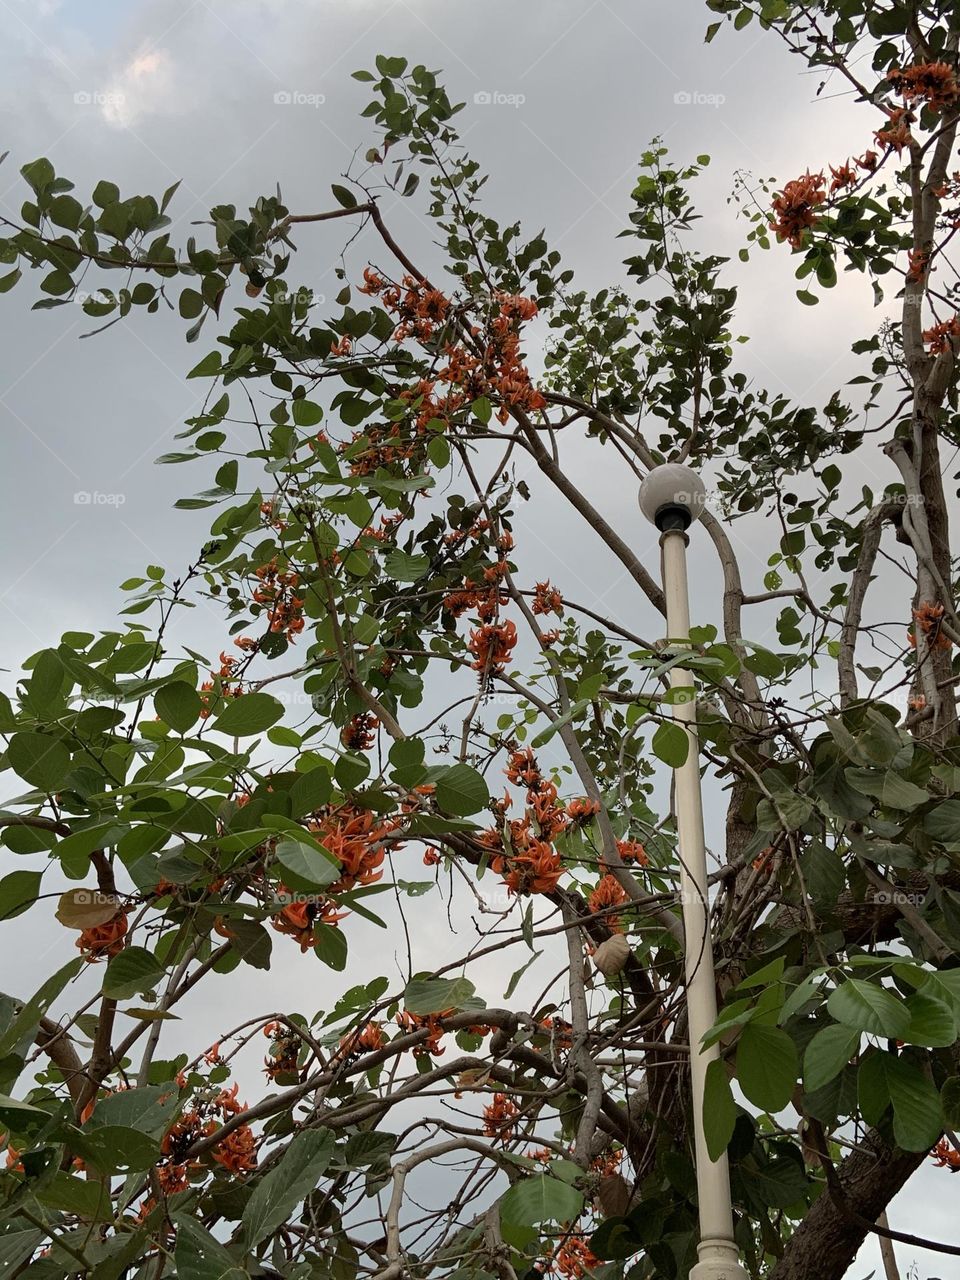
(231, 98)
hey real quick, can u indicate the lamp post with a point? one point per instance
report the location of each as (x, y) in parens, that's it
(672, 498)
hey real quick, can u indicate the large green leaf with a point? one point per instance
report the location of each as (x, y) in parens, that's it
(866, 1006)
(436, 995)
(304, 867)
(253, 713)
(719, 1110)
(461, 790)
(766, 1066)
(933, 1022)
(39, 759)
(289, 1181)
(671, 744)
(178, 705)
(200, 1256)
(827, 1054)
(540, 1198)
(131, 972)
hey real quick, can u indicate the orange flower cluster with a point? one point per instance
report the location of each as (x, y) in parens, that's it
(844, 175)
(942, 335)
(763, 862)
(357, 839)
(918, 261)
(277, 590)
(573, 1258)
(547, 599)
(360, 732)
(583, 810)
(946, 1156)
(928, 617)
(299, 919)
(366, 1039)
(269, 513)
(491, 646)
(104, 940)
(430, 1023)
(795, 208)
(525, 855)
(236, 1152)
(499, 1118)
(224, 678)
(558, 1030)
(609, 893)
(932, 83)
(632, 851)
(424, 313)
(284, 1055)
(896, 134)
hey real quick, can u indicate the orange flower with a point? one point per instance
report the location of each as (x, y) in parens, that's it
(104, 940)
(360, 732)
(929, 617)
(573, 1258)
(941, 336)
(582, 810)
(932, 83)
(430, 1023)
(843, 175)
(367, 1039)
(300, 918)
(537, 870)
(633, 851)
(431, 858)
(499, 1117)
(547, 599)
(945, 1155)
(609, 893)
(492, 646)
(237, 1151)
(896, 134)
(795, 208)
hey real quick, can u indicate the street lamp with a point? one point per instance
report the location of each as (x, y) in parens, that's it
(672, 497)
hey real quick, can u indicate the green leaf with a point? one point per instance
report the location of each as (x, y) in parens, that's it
(344, 196)
(304, 867)
(178, 705)
(719, 1110)
(132, 971)
(252, 713)
(115, 1149)
(26, 1020)
(808, 299)
(917, 1115)
(671, 744)
(86, 1199)
(540, 1198)
(827, 1054)
(766, 1066)
(200, 1256)
(943, 822)
(18, 892)
(461, 790)
(933, 1022)
(437, 995)
(868, 1007)
(39, 759)
(288, 1183)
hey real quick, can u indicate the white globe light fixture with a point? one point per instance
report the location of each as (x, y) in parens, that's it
(672, 497)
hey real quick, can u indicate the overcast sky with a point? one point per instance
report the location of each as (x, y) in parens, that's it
(234, 97)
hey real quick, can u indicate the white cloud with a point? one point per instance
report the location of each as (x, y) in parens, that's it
(148, 85)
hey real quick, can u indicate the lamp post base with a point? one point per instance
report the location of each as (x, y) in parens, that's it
(719, 1260)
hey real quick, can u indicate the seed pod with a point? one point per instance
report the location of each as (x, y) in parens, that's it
(612, 955)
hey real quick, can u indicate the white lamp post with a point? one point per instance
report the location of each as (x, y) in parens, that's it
(672, 497)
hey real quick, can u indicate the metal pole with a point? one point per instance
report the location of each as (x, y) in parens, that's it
(717, 1251)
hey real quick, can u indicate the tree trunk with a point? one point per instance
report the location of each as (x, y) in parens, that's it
(826, 1242)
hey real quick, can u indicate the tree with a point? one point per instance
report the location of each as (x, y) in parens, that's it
(362, 554)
